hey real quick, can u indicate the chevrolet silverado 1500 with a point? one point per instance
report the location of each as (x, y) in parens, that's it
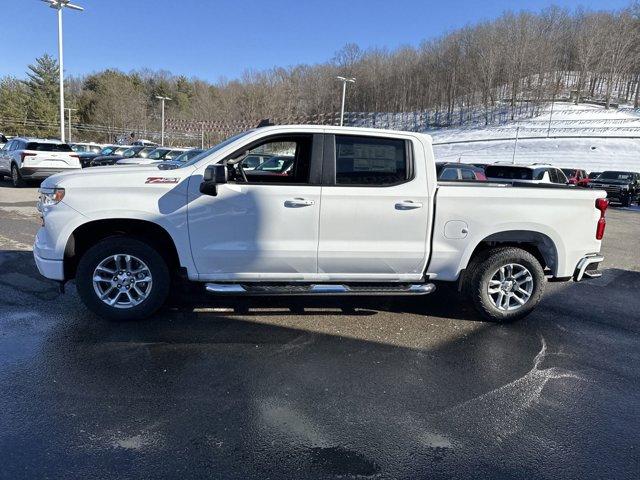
(355, 211)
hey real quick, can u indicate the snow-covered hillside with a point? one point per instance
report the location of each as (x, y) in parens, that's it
(583, 136)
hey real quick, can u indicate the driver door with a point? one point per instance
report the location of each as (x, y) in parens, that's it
(263, 223)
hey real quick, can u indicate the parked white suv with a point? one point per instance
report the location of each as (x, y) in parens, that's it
(535, 173)
(24, 159)
(356, 212)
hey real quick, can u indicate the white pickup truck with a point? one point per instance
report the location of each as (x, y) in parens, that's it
(346, 211)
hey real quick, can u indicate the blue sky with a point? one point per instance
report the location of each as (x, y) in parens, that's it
(210, 39)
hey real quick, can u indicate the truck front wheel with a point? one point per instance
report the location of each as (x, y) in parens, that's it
(122, 278)
(505, 284)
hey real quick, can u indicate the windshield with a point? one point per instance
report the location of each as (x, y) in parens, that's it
(186, 156)
(130, 152)
(615, 176)
(107, 150)
(158, 154)
(215, 148)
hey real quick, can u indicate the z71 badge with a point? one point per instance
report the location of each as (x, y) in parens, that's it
(162, 180)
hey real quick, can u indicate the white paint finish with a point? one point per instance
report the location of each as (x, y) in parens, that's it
(251, 233)
(456, 230)
(377, 231)
(255, 230)
(101, 193)
(567, 217)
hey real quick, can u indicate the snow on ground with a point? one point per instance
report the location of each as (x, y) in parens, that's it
(598, 146)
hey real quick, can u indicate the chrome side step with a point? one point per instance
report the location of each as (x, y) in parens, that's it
(319, 289)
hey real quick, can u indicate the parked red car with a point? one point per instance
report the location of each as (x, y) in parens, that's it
(577, 177)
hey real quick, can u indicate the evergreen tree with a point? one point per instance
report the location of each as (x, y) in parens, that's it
(42, 89)
(13, 106)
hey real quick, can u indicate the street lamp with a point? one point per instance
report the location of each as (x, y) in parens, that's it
(59, 5)
(163, 100)
(344, 81)
(69, 110)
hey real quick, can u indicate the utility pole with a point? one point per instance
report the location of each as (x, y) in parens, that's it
(553, 99)
(344, 81)
(515, 146)
(59, 5)
(162, 99)
(69, 110)
(202, 135)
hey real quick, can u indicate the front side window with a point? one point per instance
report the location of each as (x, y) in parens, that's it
(370, 161)
(289, 161)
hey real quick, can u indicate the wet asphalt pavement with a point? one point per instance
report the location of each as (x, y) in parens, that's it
(361, 388)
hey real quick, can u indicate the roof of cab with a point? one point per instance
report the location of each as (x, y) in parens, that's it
(346, 130)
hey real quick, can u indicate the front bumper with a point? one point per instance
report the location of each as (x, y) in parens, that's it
(52, 269)
(587, 267)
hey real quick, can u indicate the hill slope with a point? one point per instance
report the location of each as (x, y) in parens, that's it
(582, 136)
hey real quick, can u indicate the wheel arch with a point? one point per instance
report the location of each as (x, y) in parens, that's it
(539, 244)
(89, 233)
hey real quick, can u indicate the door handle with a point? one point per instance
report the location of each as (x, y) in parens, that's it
(298, 202)
(408, 205)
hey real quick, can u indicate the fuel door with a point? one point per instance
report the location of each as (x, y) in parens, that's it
(456, 229)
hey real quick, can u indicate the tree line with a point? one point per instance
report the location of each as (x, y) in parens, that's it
(520, 57)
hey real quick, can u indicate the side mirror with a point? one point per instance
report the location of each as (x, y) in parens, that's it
(214, 175)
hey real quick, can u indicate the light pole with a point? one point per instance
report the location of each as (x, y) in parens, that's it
(59, 5)
(162, 99)
(69, 110)
(344, 81)
(553, 100)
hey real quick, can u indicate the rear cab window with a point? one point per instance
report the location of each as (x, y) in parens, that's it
(509, 173)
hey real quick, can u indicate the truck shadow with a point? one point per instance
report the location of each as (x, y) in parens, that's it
(257, 395)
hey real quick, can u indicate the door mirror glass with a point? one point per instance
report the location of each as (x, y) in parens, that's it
(216, 174)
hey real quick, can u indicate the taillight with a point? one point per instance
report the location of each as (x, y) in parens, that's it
(601, 204)
(24, 155)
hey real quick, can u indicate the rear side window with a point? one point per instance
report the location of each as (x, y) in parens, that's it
(48, 147)
(370, 161)
(508, 173)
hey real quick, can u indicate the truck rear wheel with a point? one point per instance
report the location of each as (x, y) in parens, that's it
(506, 284)
(122, 278)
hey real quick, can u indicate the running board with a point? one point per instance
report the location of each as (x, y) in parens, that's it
(319, 289)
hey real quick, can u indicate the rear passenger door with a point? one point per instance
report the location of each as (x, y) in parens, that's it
(375, 209)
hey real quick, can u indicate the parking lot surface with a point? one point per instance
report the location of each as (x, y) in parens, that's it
(321, 388)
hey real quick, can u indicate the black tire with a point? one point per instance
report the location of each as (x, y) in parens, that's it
(483, 268)
(16, 177)
(127, 246)
(626, 201)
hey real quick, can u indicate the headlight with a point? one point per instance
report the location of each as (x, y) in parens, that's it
(50, 197)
